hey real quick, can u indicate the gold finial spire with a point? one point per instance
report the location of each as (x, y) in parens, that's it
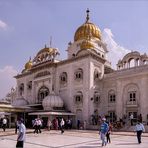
(30, 58)
(87, 17)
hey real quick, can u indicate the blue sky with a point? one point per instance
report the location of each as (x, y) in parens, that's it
(26, 26)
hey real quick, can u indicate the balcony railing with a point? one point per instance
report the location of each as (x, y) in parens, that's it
(132, 103)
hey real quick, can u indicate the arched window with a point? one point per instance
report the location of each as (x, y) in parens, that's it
(29, 85)
(96, 97)
(132, 96)
(21, 88)
(42, 93)
(131, 62)
(79, 74)
(63, 78)
(112, 96)
(78, 97)
(96, 74)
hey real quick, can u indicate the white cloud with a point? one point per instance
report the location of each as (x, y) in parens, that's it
(6, 80)
(3, 25)
(116, 51)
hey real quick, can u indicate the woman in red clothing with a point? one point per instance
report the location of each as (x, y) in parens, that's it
(108, 133)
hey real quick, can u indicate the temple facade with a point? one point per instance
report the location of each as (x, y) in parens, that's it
(84, 86)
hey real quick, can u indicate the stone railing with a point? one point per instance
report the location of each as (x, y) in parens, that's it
(132, 103)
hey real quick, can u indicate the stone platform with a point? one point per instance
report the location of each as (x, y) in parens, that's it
(72, 139)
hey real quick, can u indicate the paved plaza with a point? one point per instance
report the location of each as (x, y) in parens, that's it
(73, 139)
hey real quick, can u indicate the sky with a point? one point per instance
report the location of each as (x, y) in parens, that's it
(27, 25)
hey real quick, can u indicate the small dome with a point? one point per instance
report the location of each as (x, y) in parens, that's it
(28, 65)
(47, 53)
(20, 102)
(51, 101)
(47, 50)
(86, 29)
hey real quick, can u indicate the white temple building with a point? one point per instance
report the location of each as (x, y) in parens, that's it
(84, 86)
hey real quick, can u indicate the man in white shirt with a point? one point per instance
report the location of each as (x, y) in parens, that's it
(62, 123)
(39, 125)
(4, 124)
(139, 128)
(21, 134)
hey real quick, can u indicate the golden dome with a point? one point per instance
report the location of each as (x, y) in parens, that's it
(28, 65)
(48, 51)
(86, 45)
(86, 29)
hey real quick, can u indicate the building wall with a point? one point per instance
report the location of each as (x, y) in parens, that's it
(123, 82)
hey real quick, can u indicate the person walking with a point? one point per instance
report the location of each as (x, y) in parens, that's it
(39, 125)
(49, 124)
(109, 132)
(103, 131)
(78, 124)
(131, 118)
(21, 134)
(84, 124)
(16, 126)
(4, 123)
(139, 128)
(35, 126)
(62, 123)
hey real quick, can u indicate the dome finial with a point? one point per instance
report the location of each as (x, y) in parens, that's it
(87, 17)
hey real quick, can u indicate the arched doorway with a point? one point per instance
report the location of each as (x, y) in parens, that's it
(78, 118)
(42, 93)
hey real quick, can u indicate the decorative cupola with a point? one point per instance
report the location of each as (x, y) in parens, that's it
(46, 54)
(28, 65)
(52, 101)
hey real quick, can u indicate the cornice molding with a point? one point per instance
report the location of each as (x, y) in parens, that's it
(50, 64)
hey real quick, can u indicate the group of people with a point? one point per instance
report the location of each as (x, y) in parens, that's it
(37, 124)
(104, 131)
(57, 121)
(81, 125)
(59, 124)
(106, 128)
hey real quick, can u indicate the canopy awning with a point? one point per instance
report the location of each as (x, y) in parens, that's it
(10, 108)
(53, 113)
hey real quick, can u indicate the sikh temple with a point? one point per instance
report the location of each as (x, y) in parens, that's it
(84, 86)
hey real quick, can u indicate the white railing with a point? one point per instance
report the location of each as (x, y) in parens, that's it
(132, 103)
